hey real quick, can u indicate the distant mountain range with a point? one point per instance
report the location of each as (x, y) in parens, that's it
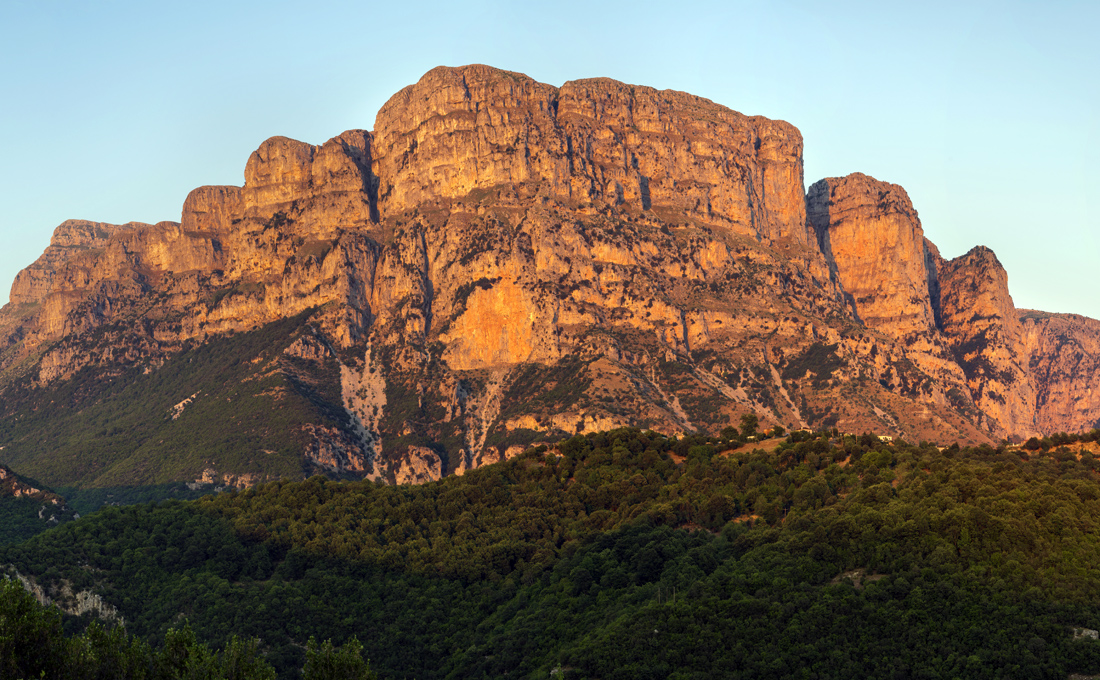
(502, 262)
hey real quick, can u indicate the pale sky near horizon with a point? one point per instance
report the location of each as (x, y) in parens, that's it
(987, 113)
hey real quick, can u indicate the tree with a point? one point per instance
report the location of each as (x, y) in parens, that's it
(326, 662)
(31, 638)
(749, 423)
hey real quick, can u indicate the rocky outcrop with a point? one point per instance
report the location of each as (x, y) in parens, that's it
(211, 209)
(332, 450)
(62, 595)
(320, 189)
(70, 238)
(872, 239)
(980, 323)
(49, 507)
(955, 319)
(417, 466)
(12, 485)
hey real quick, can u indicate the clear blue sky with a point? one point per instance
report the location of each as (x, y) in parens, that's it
(986, 112)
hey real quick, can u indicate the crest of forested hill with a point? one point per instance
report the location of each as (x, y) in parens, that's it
(629, 554)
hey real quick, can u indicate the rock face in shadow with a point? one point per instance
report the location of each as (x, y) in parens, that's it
(503, 261)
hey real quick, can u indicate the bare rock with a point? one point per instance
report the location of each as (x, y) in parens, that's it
(418, 466)
(502, 261)
(981, 324)
(872, 237)
(459, 130)
(1063, 355)
(212, 208)
(70, 238)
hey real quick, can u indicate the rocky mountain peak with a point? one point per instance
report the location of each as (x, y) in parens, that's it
(70, 238)
(277, 171)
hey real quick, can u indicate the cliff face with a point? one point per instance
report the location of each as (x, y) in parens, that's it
(872, 239)
(870, 233)
(590, 142)
(980, 322)
(955, 318)
(69, 238)
(502, 261)
(1063, 355)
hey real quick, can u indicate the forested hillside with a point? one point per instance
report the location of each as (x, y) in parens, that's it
(629, 554)
(33, 645)
(27, 507)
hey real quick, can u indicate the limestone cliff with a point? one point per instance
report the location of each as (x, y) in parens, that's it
(955, 319)
(502, 261)
(981, 324)
(1063, 359)
(589, 142)
(870, 233)
(69, 238)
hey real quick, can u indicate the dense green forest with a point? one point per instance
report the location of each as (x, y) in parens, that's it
(33, 645)
(22, 518)
(628, 554)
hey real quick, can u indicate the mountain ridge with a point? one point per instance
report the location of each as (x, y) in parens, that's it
(502, 261)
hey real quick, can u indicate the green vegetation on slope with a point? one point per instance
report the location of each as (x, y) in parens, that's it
(27, 508)
(117, 429)
(33, 645)
(22, 518)
(831, 558)
(85, 500)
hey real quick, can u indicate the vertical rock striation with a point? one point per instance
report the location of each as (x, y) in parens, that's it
(1063, 355)
(598, 141)
(955, 318)
(70, 238)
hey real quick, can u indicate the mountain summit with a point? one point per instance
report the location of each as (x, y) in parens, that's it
(501, 262)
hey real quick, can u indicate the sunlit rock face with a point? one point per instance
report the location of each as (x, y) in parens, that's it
(1063, 355)
(981, 324)
(955, 317)
(69, 239)
(590, 141)
(502, 261)
(872, 237)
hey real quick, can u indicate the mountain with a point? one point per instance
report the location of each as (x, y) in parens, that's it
(501, 262)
